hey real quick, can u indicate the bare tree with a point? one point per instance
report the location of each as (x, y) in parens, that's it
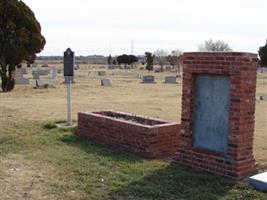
(161, 57)
(210, 45)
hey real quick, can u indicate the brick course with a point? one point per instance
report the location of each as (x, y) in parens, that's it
(150, 141)
(238, 162)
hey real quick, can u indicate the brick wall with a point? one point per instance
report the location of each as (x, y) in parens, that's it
(238, 162)
(156, 141)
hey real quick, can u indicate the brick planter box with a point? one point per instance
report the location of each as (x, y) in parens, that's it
(147, 137)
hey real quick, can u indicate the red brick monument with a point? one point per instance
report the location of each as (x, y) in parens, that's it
(218, 106)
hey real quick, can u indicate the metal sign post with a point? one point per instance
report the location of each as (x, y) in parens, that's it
(68, 74)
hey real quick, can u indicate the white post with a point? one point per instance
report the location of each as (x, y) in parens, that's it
(69, 122)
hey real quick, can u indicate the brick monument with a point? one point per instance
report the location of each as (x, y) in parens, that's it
(218, 106)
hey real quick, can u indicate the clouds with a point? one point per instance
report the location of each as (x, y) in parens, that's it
(90, 27)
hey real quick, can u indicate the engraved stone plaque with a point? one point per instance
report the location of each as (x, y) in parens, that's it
(211, 112)
(68, 62)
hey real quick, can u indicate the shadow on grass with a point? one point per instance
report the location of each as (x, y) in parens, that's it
(92, 147)
(176, 182)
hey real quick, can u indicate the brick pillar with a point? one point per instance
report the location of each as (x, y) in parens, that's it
(240, 69)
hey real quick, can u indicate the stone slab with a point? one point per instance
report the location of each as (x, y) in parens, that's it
(22, 81)
(170, 79)
(259, 181)
(105, 82)
(101, 73)
(148, 79)
(263, 97)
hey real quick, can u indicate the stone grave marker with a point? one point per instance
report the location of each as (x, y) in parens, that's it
(148, 79)
(259, 181)
(263, 97)
(40, 84)
(105, 82)
(53, 73)
(19, 79)
(35, 75)
(101, 73)
(22, 81)
(170, 79)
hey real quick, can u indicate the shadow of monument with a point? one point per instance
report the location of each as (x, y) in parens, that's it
(174, 182)
(91, 147)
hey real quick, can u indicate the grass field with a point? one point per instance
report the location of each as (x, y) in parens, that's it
(39, 161)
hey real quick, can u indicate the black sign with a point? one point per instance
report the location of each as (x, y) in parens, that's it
(68, 63)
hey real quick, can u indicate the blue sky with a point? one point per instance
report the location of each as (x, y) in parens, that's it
(103, 26)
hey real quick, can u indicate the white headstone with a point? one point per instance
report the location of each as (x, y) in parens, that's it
(53, 73)
(105, 82)
(259, 181)
(40, 84)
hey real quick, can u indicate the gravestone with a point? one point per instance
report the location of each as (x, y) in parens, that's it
(170, 79)
(105, 82)
(101, 73)
(69, 65)
(263, 97)
(53, 73)
(148, 79)
(40, 84)
(259, 181)
(19, 79)
(22, 81)
(35, 75)
(211, 108)
(218, 106)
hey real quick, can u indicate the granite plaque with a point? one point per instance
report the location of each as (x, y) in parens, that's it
(211, 112)
(68, 63)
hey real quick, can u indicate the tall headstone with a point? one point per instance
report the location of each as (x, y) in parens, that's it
(68, 75)
(68, 65)
(218, 106)
(53, 73)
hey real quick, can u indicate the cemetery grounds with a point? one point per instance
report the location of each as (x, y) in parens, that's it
(39, 161)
